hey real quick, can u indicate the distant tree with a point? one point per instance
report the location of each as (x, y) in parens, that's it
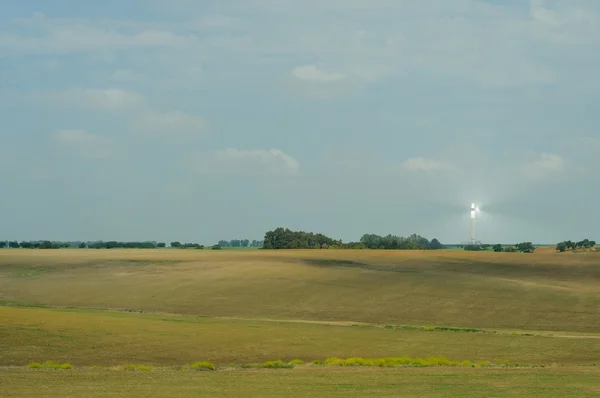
(472, 248)
(13, 244)
(200, 247)
(46, 245)
(3, 244)
(82, 245)
(161, 244)
(216, 247)
(485, 246)
(525, 247)
(510, 249)
(497, 248)
(175, 244)
(435, 244)
(224, 243)
(245, 243)
(561, 247)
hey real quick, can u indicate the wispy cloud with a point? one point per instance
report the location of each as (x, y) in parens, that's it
(232, 161)
(84, 143)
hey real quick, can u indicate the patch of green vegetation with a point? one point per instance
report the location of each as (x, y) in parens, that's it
(278, 364)
(414, 362)
(204, 365)
(50, 365)
(435, 328)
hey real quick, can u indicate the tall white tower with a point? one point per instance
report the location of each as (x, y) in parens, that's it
(474, 210)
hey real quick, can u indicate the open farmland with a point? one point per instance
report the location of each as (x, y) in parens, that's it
(101, 309)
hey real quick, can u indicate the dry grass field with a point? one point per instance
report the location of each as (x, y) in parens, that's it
(167, 308)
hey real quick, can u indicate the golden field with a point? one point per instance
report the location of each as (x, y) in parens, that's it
(167, 308)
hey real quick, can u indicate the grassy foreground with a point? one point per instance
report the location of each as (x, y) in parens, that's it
(88, 338)
(162, 309)
(564, 382)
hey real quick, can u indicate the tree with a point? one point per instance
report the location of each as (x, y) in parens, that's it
(510, 249)
(13, 244)
(435, 244)
(3, 244)
(175, 244)
(561, 247)
(525, 247)
(161, 244)
(46, 245)
(82, 245)
(472, 248)
(216, 247)
(497, 248)
(485, 246)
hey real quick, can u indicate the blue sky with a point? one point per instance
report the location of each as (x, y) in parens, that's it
(206, 120)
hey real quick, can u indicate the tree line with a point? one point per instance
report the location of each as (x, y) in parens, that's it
(47, 244)
(523, 247)
(585, 244)
(284, 238)
(240, 243)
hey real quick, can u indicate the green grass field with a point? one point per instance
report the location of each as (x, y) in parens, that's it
(169, 308)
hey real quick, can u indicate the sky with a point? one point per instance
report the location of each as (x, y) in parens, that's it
(220, 119)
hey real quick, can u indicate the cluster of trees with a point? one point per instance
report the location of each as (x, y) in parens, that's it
(281, 238)
(240, 243)
(41, 244)
(179, 245)
(118, 245)
(523, 247)
(46, 244)
(585, 244)
(393, 242)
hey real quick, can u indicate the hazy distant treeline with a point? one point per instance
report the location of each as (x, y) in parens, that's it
(46, 244)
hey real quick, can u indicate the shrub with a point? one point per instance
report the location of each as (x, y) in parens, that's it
(205, 365)
(296, 362)
(279, 364)
(466, 364)
(334, 361)
(50, 365)
(317, 362)
(482, 364)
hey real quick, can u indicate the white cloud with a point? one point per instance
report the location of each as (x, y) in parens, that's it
(425, 164)
(314, 74)
(62, 36)
(544, 166)
(233, 161)
(168, 123)
(84, 143)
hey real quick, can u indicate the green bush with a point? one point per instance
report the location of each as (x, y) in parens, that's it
(50, 365)
(317, 362)
(205, 365)
(297, 362)
(279, 364)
